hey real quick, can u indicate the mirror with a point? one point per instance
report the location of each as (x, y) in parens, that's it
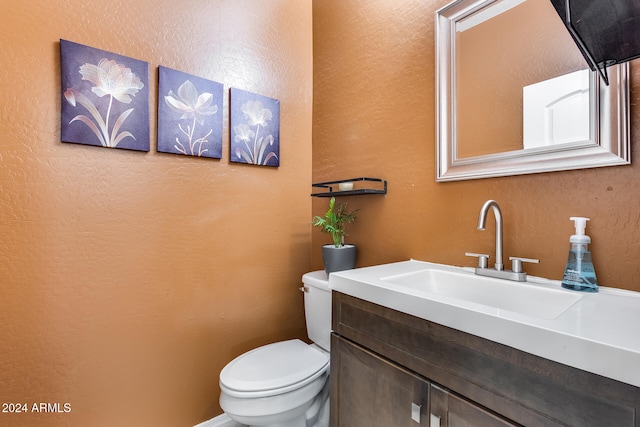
(515, 96)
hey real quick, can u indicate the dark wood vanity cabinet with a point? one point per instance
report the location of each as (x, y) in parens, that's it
(373, 391)
(449, 410)
(391, 369)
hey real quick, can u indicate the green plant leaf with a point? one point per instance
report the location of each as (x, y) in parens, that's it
(334, 221)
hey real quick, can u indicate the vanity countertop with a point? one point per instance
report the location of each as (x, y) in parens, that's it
(596, 334)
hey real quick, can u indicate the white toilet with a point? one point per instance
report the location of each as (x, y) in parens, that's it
(285, 384)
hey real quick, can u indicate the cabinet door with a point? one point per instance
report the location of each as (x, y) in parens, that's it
(369, 391)
(449, 410)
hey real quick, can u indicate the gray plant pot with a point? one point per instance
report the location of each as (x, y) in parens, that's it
(338, 259)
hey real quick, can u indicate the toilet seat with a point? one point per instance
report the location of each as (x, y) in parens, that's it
(273, 369)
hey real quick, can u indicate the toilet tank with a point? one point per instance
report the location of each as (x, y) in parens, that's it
(317, 307)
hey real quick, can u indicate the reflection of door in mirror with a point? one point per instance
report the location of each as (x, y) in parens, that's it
(500, 50)
(557, 111)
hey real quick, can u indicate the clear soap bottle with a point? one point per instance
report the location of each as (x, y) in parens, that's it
(579, 274)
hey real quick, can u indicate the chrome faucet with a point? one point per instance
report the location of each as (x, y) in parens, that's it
(498, 270)
(482, 225)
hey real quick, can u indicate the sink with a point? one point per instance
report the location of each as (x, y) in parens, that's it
(583, 330)
(519, 297)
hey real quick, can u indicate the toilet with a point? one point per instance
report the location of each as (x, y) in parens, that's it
(285, 384)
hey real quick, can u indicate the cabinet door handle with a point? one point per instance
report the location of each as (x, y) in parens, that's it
(434, 421)
(415, 412)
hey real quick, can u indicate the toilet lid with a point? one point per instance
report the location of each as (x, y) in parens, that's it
(273, 366)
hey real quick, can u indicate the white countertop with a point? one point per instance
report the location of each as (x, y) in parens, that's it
(598, 334)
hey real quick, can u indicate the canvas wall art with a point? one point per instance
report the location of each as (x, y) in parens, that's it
(255, 128)
(105, 98)
(189, 114)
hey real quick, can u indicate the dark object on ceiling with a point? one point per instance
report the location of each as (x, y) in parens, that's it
(607, 32)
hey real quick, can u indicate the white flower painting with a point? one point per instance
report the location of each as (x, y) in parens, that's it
(255, 128)
(105, 98)
(189, 114)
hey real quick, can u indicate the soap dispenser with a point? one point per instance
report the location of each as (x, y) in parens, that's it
(579, 274)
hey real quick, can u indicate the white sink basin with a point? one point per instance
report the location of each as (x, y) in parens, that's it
(518, 297)
(596, 332)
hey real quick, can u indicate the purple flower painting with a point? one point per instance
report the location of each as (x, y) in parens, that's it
(255, 128)
(105, 99)
(189, 114)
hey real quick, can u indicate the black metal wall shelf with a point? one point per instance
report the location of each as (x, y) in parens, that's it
(356, 191)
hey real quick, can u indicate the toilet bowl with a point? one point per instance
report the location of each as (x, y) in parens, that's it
(285, 384)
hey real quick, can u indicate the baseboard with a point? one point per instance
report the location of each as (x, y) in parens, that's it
(219, 421)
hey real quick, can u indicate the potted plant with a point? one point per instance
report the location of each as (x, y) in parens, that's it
(338, 256)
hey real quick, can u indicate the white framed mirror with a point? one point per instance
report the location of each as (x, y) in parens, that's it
(509, 81)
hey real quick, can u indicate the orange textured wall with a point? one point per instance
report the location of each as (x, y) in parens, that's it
(130, 279)
(374, 115)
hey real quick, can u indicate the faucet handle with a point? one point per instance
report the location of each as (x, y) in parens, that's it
(483, 259)
(516, 263)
